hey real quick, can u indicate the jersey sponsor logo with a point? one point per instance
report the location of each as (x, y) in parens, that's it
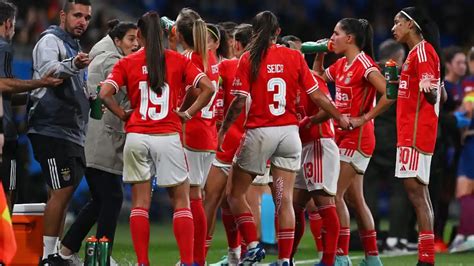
(274, 68)
(403, 91)
(343, 97)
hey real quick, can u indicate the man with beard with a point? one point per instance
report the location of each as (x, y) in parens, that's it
(58, 117)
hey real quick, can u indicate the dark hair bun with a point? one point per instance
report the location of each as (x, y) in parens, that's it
(112, 23)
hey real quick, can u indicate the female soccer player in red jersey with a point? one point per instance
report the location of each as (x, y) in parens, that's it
(221, 167)
(417, 117)
(155, 79)
(200, 133)
(271, 75)
(357, 79)
(319, 173)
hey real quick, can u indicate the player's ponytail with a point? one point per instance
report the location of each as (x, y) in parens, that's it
(200, 40)
(194, 32)
(427, 28)
(362, 32)
(265, 26)
(149, 26)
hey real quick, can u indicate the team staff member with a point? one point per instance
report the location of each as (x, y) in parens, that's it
(271, 129)
(357, 79)
(9, 86)
(104, 144)
(155, 79)
(200, 133)
(417, 117)
(58, 117)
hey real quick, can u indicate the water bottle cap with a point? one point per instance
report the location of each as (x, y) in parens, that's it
(103, 239)
(92, 239)
(391, 63)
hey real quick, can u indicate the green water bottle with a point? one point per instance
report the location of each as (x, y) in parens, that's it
(91, 252)
(320, 46)
(103, 251)
(96, 106)
(391, 79)
(167, 23)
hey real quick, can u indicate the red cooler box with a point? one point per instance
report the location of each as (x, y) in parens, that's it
(28, 226)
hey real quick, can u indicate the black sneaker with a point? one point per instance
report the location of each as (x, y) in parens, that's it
(54, 260)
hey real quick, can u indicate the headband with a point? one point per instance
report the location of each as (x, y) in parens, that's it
(410, 18)
(213, 33)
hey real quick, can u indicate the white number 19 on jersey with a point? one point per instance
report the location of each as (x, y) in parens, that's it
(146, 94)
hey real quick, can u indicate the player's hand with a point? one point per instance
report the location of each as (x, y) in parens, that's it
(305, 123)
(81, 60)
(184, 116)
(357, 121)
(428, 85)
(344, 123)
(49, 80)
(126, 115)
(220, 140)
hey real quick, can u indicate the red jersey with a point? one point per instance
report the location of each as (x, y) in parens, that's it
(282, 73)
(321, 130)
(152, 112)
(355, 96)
(227, 70)
(417, 120)
(200, 132)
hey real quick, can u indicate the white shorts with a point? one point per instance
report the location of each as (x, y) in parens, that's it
(355, 158)
(223, 166)
(320, 166)
(263, 180)
(146, 156)
(199, 164)
(411, 163)
(282, 145)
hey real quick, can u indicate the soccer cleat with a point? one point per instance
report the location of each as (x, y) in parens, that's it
(280, 263)
(253, 256)
(462, 245)
(395, 246)
(371, 261)
(75, 260)
(55, 260)
(223, 262)
(343, 261)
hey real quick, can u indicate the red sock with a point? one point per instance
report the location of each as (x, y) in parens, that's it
(285, 238)
(183, 228)
(247, 227)
(369, 242)
(200, 231)
(140, 230)
(426, 247)
(300, 222)
(231, 230)
(208, 243)
(343, 242)
(331, 233)
(316, 223)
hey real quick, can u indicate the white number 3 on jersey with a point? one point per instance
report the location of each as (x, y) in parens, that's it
(279, 97)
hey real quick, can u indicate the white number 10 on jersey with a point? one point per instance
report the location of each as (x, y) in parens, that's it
(147, 94)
